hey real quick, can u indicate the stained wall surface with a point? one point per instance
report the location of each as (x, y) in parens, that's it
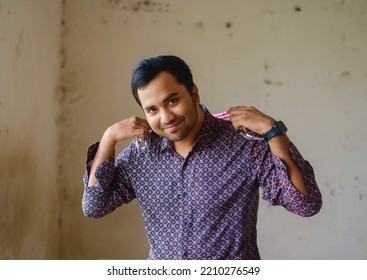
(29, 76)
(65, 77)
(299, 61)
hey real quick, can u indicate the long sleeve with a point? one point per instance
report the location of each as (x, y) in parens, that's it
(279, 190)
(112, 190)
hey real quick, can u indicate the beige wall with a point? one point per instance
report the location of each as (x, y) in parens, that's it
(29, 74)
(299, 61)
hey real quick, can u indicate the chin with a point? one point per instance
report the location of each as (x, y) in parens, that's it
(174, 138)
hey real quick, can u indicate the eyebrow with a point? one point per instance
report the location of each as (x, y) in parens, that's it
(173, 94)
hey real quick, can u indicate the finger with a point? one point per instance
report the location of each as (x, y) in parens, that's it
(130, 128)
(244, 117)
(142, 128)
(238, 122)
(137, 123)
(143, 132)
(239, 109)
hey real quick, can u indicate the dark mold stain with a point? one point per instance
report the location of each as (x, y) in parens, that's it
(19, 47)
(270, 82)
(266, 67)
(199, 24)
(229, 26)
(270, 12)
(63, 58)
(332, 192)
(345, 74)
(137, 6)
(76, 99)
(64, 29)
(114, 2)
(297, 9)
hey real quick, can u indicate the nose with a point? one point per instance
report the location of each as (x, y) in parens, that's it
(167, 116)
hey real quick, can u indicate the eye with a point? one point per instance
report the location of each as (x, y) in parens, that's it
(151, 110)
(172, 101)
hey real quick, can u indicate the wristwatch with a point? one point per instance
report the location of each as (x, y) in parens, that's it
(278, 129)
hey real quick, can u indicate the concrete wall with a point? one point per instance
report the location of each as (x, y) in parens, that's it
(300, 61)
(29, 75)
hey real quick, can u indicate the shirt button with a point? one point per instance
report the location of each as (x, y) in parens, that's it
(184, 194)
(184, 255)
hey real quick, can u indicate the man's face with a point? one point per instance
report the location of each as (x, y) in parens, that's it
(170, 109)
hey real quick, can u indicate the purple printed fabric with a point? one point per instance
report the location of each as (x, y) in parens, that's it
(203, 206)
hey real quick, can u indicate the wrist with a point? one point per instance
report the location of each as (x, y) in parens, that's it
(277, 129)
(268, 126)
(108, 139)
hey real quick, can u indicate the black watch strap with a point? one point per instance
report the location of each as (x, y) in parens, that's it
(278, 128)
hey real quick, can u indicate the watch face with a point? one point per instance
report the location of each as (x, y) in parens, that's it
(278, 129)
(281, 127)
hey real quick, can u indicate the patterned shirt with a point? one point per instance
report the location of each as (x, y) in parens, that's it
(203, 206)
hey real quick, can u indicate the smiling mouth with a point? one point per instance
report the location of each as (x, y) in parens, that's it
(172, 127)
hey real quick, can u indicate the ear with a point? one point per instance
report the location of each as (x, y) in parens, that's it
(195, 94)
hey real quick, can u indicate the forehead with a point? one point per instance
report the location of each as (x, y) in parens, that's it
(160, 87)
(163, 79)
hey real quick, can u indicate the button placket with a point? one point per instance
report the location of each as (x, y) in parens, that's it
(185, 221)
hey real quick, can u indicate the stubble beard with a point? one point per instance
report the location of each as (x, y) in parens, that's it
(184, 131)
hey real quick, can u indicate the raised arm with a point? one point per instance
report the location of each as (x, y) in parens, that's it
(253, 119)
(123, 130)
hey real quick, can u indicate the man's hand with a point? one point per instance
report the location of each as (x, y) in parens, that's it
(250, 118)
(126, 129)
(123, 130)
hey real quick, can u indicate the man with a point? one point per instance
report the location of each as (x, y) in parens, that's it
(198, 180)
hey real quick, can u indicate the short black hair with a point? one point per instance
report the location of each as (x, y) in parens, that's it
(147, 69)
